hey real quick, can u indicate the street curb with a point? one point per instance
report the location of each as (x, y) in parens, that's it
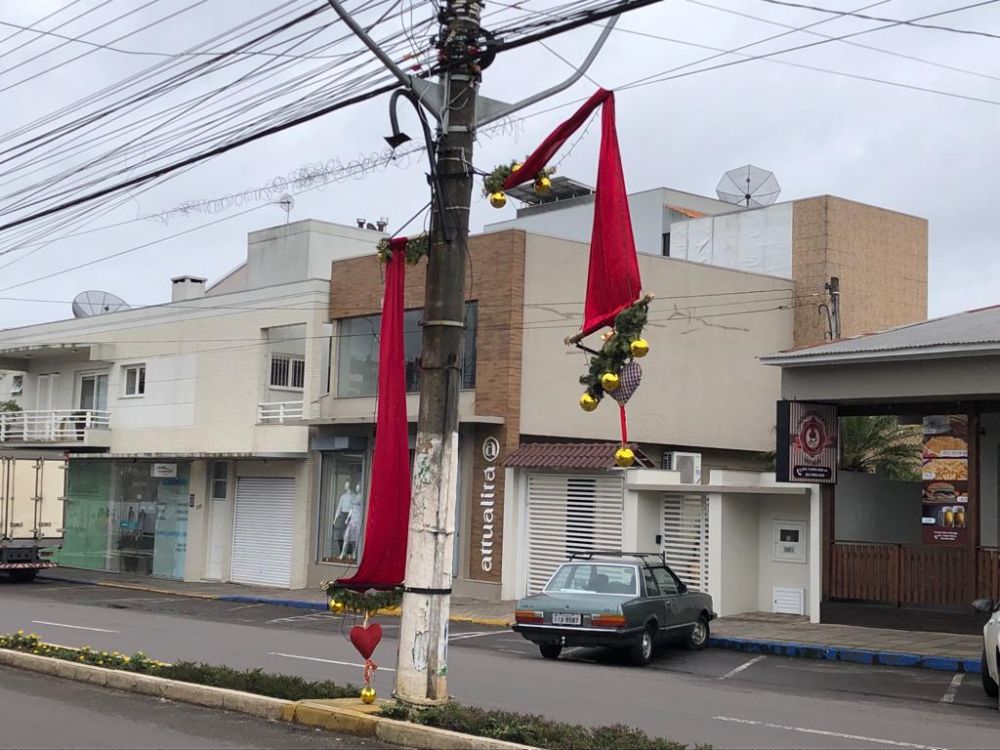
(253, 599)
(855, 655)
(306, 713)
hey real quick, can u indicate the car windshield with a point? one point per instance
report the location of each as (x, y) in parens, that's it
(594, 578)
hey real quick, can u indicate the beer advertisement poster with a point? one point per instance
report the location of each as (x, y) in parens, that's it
(945, 479)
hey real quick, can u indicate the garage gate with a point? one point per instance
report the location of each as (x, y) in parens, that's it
(262, 531)
(685, 539)
(567, 514)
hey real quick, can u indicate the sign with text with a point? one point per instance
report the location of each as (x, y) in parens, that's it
(163, 471)
(807, 443)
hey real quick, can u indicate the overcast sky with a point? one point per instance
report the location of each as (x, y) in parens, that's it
(928, 154)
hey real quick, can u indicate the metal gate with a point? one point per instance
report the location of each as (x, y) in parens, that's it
(567, 514)
(31, 498)
(685, 539)
(262, 531)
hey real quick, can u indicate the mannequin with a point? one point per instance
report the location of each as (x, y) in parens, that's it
(340, 519)
(352, 529)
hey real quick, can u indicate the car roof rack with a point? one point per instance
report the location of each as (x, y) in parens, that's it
(590, 554)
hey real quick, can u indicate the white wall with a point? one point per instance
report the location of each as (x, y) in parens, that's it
(702, 383)
(759, 240)
(737, 553)
(772, 572)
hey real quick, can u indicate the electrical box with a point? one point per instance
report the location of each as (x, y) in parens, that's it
(790, 541)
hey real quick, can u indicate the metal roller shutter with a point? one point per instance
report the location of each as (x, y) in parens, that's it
(262, 531)
(567, 514)
(685, 539)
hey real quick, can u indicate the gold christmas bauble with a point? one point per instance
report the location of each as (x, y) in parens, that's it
(368, 695)
(588, 402)
(334, 606)
(624, 457)
(639, 348)
(498, 199)
(610, 381)
(516, 167)
(543, 185)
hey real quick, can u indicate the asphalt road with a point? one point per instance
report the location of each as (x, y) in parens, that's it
(43, 712)
(723, 698)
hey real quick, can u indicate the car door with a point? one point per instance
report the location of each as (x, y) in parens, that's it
(654, 602)
(670, 590)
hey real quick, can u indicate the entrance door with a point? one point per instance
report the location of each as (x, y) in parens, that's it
(685, 539)
(44, 427)
(262, 531)
(220, 516)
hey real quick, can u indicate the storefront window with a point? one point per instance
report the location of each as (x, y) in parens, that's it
(357, 352)
(343, 507)
(88, 511)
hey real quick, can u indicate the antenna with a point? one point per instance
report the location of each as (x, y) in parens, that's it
(93, 302)
(286, 203)
(748, 186)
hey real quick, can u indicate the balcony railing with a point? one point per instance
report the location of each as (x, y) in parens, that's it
(51, 425)
(279, 412)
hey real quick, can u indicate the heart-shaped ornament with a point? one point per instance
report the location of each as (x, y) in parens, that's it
(628, 381)
(366, 639)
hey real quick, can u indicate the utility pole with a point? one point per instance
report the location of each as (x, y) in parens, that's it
(833, 287)
(421, 675)
(422, 667)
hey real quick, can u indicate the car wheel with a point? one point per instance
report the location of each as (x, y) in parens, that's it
(697, 639)
(990, 686)
(550, 650)
(23, 576)
(640, 653)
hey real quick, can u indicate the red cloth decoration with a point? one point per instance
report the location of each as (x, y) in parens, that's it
(613, 281)
(383, 560)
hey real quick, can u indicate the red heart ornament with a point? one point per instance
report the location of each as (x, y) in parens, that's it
(366, 639)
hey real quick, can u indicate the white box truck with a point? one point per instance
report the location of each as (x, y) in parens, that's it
(32, 495)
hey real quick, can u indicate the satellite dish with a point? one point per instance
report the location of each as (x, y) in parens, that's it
(92, 302)
(748, 186)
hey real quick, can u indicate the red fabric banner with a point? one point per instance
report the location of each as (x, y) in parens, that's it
(613, 281)
(383, 559)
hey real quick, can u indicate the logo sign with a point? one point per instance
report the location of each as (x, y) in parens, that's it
(487, 502)
(163, 471)
(807, 442)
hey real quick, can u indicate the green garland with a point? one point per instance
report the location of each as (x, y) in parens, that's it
(361, 602)
(416, 248)
(493, 182)
(616, 352)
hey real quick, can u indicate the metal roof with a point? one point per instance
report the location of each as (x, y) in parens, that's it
(594, 456)
(563, 188)
(965, 333)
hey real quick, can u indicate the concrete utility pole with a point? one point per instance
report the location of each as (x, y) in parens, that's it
(421, 675)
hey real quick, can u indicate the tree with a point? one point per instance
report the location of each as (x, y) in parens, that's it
(880, 445)
(9, 406)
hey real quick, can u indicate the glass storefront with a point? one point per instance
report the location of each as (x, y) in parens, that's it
(127, 517)
(344, 498)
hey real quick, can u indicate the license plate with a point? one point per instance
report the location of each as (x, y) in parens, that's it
(559, 618)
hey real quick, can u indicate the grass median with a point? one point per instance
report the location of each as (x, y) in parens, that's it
(526, 729)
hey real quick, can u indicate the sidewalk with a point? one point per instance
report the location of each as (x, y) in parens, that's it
(753, 632)
(463, 609)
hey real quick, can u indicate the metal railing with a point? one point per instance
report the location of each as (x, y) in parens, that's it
(279, 412)
(51, 425)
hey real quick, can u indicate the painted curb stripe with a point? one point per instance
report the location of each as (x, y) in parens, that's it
(855, 655)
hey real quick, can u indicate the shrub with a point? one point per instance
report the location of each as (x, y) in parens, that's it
(286, 687)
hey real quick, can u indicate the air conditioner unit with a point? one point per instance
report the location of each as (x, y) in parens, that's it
(688, 464)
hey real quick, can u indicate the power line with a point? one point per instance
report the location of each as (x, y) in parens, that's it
(893, 21)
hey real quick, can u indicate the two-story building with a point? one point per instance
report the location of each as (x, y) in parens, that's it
(185, 424)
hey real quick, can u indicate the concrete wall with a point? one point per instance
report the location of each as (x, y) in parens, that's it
(880, 257)
(989, 478)
(894, 381)
(874, 509)
(574, 219)
(773, 572)
(702, 384)
(735, 547)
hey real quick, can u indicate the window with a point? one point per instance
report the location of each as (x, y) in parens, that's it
(343, 507)
(668, 584)
(16, 385)
(288, 371)
(357, 352)
(220, 480)
(594, 578)
(651, 588)
(135, 380)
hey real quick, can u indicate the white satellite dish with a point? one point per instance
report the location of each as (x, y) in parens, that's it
(748, 186)
(93, 302)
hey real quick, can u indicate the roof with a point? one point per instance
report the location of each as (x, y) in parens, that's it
(965, 333)
(594, 456)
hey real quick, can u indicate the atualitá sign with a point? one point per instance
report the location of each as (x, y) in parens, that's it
(487, 502)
